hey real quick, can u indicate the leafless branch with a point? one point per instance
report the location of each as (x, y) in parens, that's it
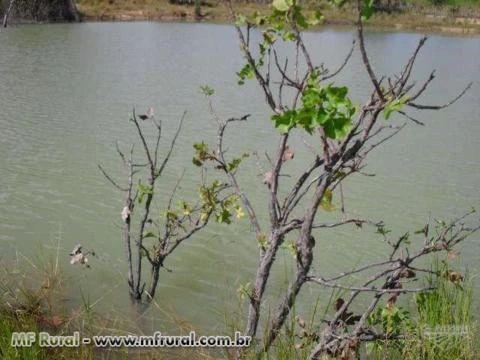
(439, 107)
(367, 289)
(363, 51)
(172, 145)
(109, 178)
(345, 62)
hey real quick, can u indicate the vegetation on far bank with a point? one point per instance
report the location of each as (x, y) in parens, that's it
(458, 16)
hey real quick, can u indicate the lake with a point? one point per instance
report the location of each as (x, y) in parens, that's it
(66, 95)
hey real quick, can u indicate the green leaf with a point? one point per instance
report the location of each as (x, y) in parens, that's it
(336, 94)
(339, 175)
(207, 90)
(200, 147)
(284, 122)
(258, 19)
(326, 202)
(262, 241)
(382, 230)
(240, 20)
(247, 72)
(223, 217)
(393, 106)
(197, 162)
(289, 36)
(367, 10)
(185, 207)
(299, 18)
(142, 191)
(231, 166)
(290, 246)
(245, 291)
(149, 234)
(282, 5)
(316, 19)
(305, 119)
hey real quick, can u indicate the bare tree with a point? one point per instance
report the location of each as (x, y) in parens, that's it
(346, 137)
(181, 220)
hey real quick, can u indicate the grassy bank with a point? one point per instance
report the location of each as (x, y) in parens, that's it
(34, 298)
(457, 16)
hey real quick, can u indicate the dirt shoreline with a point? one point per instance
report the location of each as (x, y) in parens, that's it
(432, 24)
(395, 26)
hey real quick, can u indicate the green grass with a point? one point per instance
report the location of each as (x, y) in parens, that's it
(33, 298)
(440, 326)
(443, 323)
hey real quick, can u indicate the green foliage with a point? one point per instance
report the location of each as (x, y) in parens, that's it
(382, 230)
(235, 163)
(149, 234)
(393, 319)
(247, 72)
(202, 153)
(286, 18)
(172, 221)
(326, 202)
(290, 246)
(325, 106)
(449, 303)
(245, 291)
(282, 5)
(142, 191)
(442, 329)
(223, 209)
(393, 106)
(367, 10)
(185, 207)
(207, 90)
(262, 241)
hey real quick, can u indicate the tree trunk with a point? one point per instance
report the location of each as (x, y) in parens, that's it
(71, 11)
(7, 13)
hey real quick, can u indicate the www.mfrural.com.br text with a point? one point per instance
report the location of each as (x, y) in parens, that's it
(44, 339)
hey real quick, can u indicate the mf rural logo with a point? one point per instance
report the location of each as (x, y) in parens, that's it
(444, 336)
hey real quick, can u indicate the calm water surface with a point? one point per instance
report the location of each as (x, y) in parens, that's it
(66, 93)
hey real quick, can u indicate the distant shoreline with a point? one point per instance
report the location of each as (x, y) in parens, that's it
(431, 20)
(462, 21)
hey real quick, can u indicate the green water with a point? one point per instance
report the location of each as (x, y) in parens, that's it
(66, 93)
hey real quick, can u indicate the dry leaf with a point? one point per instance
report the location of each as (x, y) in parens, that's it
(56, 320)
(452, 255)
(455, 277)
(442, 246)
(392, 300)
(76, 250)
(268, 178)
(125, 213)
(79, 259)
(288, 154)
(300, 322)
(407, 273)
(148, 115)
(339, 303)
